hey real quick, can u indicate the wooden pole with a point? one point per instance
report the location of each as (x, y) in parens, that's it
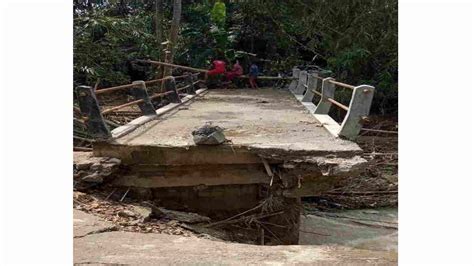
(174, 65)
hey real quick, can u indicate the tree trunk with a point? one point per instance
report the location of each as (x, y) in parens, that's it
(173, 33)
(159, 21)
(159, 33)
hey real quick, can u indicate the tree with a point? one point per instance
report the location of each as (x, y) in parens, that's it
(159, 20)
(173, 38)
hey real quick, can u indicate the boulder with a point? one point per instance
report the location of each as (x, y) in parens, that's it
(208, 135)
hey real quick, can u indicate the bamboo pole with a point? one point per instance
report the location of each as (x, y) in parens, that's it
(267, 77)
(173, 65)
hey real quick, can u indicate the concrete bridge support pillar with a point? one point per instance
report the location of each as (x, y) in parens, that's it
(90, 109)
(327, 91)
(312, 85)
(359, 109)
(190, 81)
(170, 85)
(294, 82)
(302, 80)
(139, 92)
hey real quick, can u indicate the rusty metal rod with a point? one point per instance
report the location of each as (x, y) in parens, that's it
(183, 88)
(331, 100)
(379, 131)
(153, 81)
(128, 86)
(140, 101)
(342, 84)
(267, 77)
(122, 106)
(173, 65)
(116, 88)
(82, 149)
(160, 94)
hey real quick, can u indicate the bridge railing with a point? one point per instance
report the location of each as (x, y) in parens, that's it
(93, 114)
(305, 85)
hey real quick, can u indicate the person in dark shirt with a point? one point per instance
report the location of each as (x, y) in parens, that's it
(253, 73)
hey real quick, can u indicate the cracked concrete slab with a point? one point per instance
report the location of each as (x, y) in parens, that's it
(130, 248)
(363, 229)
(85, 224)
(160, 249)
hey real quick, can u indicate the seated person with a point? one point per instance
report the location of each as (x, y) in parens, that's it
(218, 68)
(214, 75)
(236, 71)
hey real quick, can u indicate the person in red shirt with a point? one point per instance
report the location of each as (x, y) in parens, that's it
(218, 68)
(236, 71)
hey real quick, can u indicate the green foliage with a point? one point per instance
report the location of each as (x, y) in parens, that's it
(218, 14)
(204, 35)
(103, 44)
(355, 39)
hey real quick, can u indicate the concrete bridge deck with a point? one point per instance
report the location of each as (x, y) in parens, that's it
(264, 120)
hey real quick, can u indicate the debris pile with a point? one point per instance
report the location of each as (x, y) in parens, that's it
(376, 186)
(90, 171)
(141, 217)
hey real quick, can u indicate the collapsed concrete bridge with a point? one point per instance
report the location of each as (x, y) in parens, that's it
(281, 146)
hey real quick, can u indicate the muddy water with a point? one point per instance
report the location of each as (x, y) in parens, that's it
(371, 229)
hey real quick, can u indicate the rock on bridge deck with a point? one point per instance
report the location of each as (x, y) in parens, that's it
(267, 122)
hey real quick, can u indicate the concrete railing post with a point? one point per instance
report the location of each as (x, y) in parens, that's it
(327, 91)
(89, 107)
(170, 85)
(190, 81)
(140, 92)
(294, 82)
(312, 85)
(302, 80)
(359, 109)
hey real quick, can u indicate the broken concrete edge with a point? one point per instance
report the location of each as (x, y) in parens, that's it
(237, 153)
(134, 124)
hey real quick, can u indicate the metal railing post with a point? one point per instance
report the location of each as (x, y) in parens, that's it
(359, 109)
(89, 107)
(312, 85)
(170, 85)
(302, 80)
(294, 82)
(327, 91)
(138, 92)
